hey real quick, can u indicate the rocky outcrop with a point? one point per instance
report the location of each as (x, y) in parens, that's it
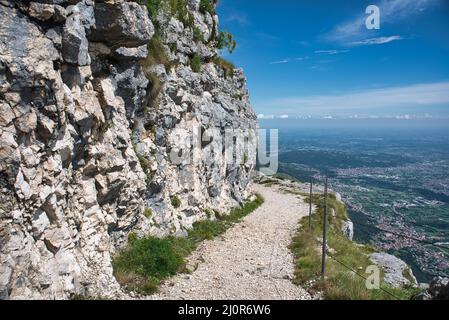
(347, 228)
(437, 290)
(396, 272)
(85, 146)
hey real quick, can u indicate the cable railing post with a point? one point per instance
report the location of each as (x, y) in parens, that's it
(323, 257)
(310, 204)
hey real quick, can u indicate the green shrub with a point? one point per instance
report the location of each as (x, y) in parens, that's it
(147, 212)
(151, 127)
(175, 201)
(144, 163)
(145, 262)
(105, 126)
(195, 63)
(237, 213)
(225, 65)
(207, 6)
(208, 212)
(173, 47)
(226, 41)
(156, 55)
(206, 230)
(153, 7)
(197, 34)
(213, 36)
(178, 9)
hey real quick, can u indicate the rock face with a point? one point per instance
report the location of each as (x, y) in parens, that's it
(347, 228)
(438, 290)
(397, 272)
(85, 146)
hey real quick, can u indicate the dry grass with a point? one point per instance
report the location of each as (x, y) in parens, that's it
(225, 65)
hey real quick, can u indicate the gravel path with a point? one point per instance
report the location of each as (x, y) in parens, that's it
(250, 261)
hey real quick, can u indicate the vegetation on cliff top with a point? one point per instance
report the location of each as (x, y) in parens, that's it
(157, 52)
(147, 261)
(339, 282)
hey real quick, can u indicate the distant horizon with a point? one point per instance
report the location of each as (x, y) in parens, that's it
(438, 126)
(352, 117)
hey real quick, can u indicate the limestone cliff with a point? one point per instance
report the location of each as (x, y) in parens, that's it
(89, 116)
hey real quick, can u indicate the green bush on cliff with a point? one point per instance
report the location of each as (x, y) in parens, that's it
(195, 63)
(175, 8)
(197, 34)
(226, 41)
(207, 6)
(157, 54)
(175, 201)
(153, 7)
(147, 212)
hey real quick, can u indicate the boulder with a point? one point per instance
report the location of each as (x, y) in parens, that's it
(397, 272)
(438, 289)
(44, 12)
(124, 24)
(347, 228)
(75, 46)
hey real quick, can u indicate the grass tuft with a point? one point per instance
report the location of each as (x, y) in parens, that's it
(195, 63)
(197, 34)
(145, 262)
(147, 212)
(225, 65)
(157, 54)
(175, 201)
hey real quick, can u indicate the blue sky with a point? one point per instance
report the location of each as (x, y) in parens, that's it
(317, 57)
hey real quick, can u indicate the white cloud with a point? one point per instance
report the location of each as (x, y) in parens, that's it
(280, 61)
(390, 11)
(262, 116)
(284, 116)
(331, 52)
(239, 18)
(287, 60)
(413, 95)
(379, 40)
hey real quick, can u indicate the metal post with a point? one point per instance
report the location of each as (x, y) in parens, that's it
(323, 258)
(310, 204)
